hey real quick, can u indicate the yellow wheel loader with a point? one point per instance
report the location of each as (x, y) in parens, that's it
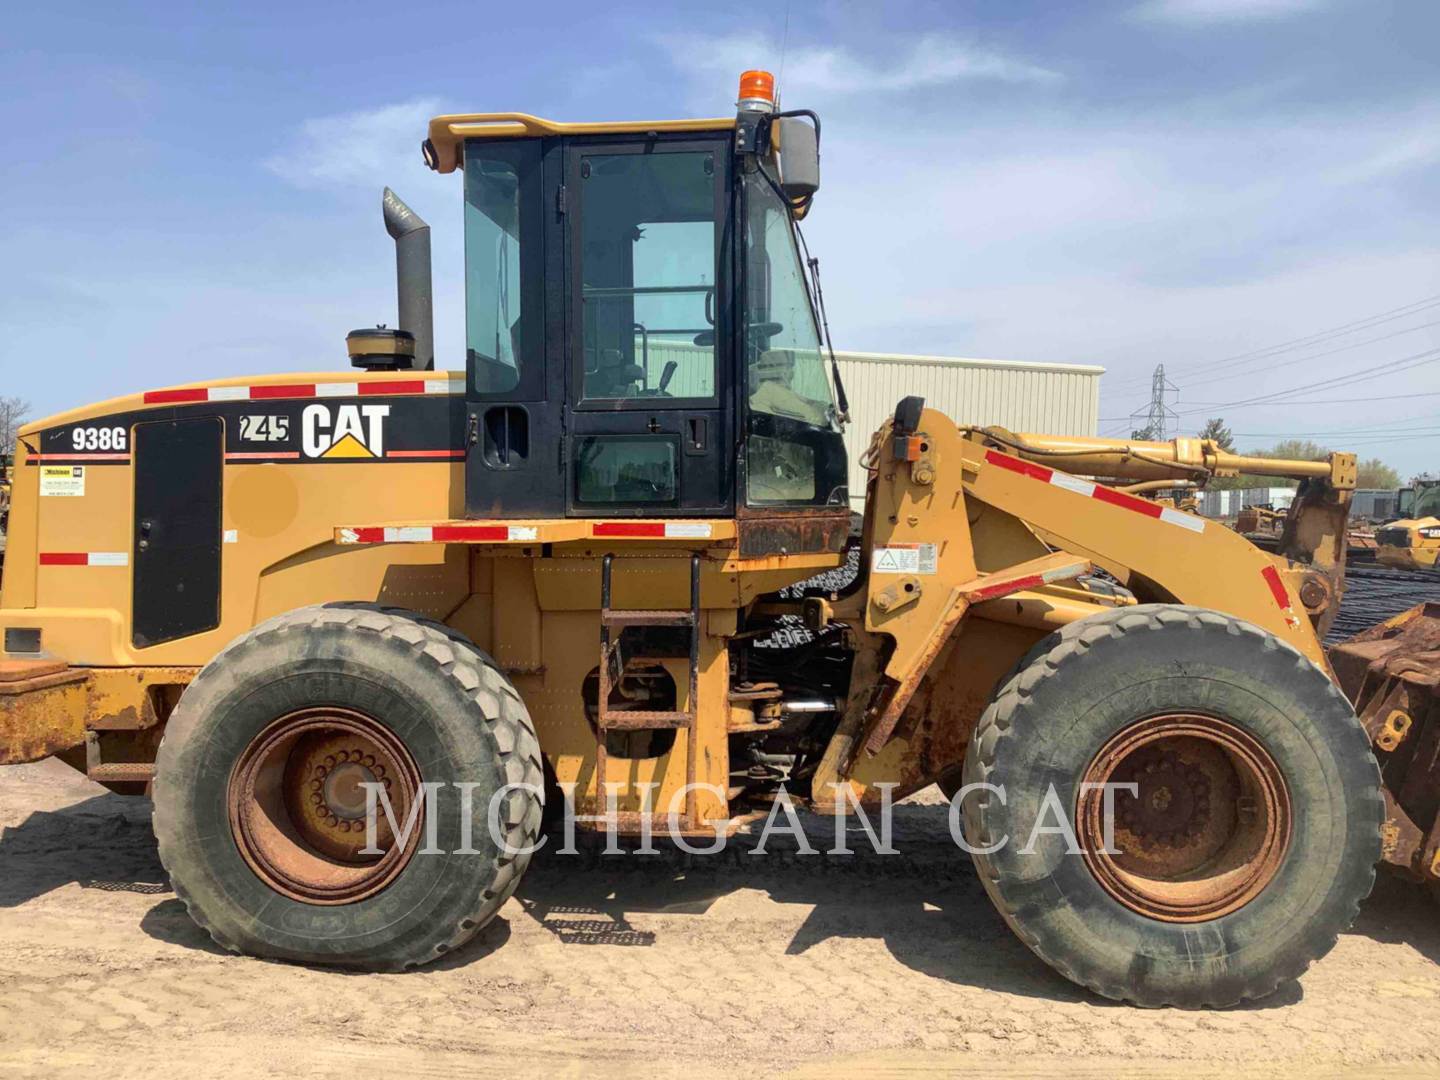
(1413, 541)
(355, 631)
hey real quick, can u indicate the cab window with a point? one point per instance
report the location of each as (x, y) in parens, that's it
(503, 268)
(648, 270)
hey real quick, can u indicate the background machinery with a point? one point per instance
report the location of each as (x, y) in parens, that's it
(556, 576)
(1413, 541)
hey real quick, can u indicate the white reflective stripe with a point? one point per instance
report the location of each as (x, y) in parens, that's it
(442, 386)
(232, 536)
(523, 532)
(337, 389)
(410, 534)
(229, 393)
(687, 530)
(1061, 573)
(1073, 483)
(349, 536)
(108, 558)
(1185, 521)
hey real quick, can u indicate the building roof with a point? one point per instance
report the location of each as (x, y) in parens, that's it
(972, 362)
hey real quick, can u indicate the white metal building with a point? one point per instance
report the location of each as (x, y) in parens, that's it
(1051, 399)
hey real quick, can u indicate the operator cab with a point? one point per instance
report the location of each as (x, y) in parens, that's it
(641, 335)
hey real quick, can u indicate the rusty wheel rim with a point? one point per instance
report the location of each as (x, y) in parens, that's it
(1206, 829)
(298, 811)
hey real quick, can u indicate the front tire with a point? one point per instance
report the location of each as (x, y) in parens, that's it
(259, 797)
(1256, 828)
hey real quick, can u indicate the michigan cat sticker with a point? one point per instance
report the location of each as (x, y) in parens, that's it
(62, 480)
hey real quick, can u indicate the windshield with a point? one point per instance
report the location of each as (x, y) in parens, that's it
(1427, 502)
(785, 366)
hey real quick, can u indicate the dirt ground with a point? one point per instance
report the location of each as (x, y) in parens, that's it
(740, 965)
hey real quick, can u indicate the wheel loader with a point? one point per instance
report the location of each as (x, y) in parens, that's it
(1413, 541)
(554, 579)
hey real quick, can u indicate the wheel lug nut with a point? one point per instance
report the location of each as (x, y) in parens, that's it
(330, 761)
(316, 799)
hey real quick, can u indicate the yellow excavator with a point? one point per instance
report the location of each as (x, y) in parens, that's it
(553, 578)
(1413, 541)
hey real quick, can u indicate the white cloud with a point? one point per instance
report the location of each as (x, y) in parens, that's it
(1223, 11)
(355, 148)
(934, 60)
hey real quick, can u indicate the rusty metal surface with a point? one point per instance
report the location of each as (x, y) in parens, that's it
(46, 707)
(1026, 575)
(1391, 674)
(43, 714)
(1205, 830)
(795, 532)
(297, 807)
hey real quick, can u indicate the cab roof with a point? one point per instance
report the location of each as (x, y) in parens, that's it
(448, 133)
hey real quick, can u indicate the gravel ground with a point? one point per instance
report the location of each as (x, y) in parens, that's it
(733, 966)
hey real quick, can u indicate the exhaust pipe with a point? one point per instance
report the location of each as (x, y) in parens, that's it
(412, 276)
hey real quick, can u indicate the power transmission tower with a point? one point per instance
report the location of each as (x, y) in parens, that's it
(1155, 421)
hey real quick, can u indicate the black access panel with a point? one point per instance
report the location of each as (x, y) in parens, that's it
(176, 578)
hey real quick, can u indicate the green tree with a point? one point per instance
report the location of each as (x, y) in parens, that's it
(1215, 429)
(1374, 473)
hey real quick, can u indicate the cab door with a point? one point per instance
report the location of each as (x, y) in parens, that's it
(649, 420)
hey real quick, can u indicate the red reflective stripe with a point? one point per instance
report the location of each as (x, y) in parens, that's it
(170, 397)
(64, 558)
(470, 532)
(628, 528)
(424, 453)
(80, 457)
(1004, 588)
(261, 393)
(1277, 586)
(369, 536)
(1128, 502)
(404, 386)
(1024, 468)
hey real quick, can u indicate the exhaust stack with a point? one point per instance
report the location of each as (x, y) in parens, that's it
(412, 276)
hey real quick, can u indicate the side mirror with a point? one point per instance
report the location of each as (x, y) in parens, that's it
(799, 145)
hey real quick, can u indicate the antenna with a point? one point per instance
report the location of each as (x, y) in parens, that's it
(784, 41)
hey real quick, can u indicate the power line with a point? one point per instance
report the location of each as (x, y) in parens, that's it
(1391, 367)
(1321, 355)
(1312, 339)
(1157, 414)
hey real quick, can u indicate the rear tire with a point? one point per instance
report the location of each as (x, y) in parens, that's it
(425, 702)
(1128, 671)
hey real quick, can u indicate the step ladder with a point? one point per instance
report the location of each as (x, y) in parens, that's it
(608, 719)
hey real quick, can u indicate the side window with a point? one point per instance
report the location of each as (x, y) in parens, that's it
(502, 267)
(626, 470)
(648, 270)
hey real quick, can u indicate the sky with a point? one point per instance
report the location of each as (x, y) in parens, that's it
(1245, 191)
